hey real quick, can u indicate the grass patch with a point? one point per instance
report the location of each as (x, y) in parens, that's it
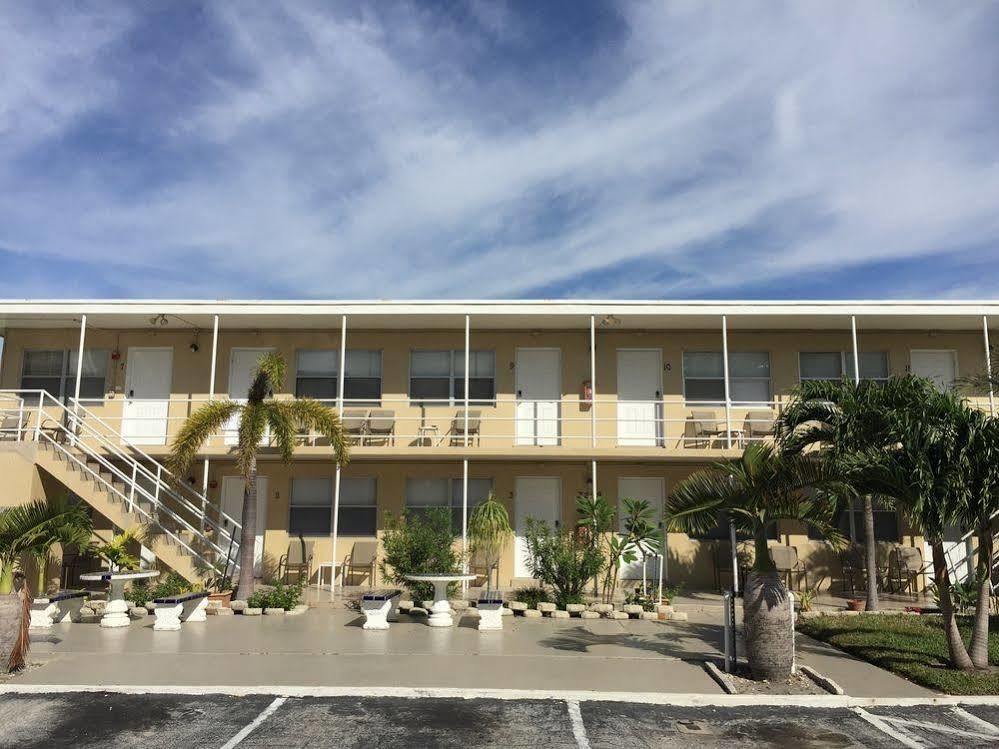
(913, 647)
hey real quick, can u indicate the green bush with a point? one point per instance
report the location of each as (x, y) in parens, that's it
(281, 596)
(419, 542)
(141, 592)
(532, 595)
(561, 559)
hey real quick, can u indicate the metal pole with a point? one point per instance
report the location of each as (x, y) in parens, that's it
(988, 364)
(334, 525)
(728, 393)
(735, 558)
(79, 372)
(594, 477)
(593, 381)
(465, 428)
(856, 350)
(211, 397)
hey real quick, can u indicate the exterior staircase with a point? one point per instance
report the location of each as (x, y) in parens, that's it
(185, 531)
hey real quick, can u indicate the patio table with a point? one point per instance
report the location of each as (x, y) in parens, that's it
(116, 612)
(440, 612)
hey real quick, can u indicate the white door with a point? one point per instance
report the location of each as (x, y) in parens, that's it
(938, 366)
(960, 561)
(232, 505)
(653, 491)
(148, 376)
(539, 390)
(242, 365)
(534, 497)
(639, 396)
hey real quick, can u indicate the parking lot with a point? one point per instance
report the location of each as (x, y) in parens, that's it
(172, 720)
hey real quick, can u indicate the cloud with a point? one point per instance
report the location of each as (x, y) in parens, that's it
(644, 150)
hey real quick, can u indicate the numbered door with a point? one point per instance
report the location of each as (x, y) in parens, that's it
(652, 490)
(148, 376)
(639, 397)
(938, 366)
(232, 505)
(539, 392)
(242, 364)
(534, 497)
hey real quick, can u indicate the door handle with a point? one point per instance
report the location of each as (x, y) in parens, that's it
(131, 393)
(520, 393)
(659, 394)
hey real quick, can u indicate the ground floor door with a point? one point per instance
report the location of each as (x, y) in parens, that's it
(148, 377)
(539, 392)
(639, 396)
(534, 497)
(242, 366)
(653, 490)
(938, 366)
(232, 505)
(959, 560)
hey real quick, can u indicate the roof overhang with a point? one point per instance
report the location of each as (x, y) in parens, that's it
(500, 315)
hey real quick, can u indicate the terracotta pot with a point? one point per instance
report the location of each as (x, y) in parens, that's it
(856, 604)
(224, 598)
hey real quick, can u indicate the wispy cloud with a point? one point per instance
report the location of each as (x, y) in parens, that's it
(644, 149)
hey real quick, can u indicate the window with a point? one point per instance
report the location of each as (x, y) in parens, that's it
(704, 377)
(312, 507)
(440, 376)
(317, 371)
(55, 371)
(425, 493)
(833, 365)
(721, 532)
(886, 526)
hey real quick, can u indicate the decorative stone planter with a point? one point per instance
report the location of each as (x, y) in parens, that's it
(223, 598)
(856, 604)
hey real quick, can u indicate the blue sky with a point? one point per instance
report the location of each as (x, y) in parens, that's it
(490, 149)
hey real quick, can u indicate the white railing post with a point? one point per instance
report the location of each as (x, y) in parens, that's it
(728, 392)
(593, 381)
(38, 420)
(131, 493)
(20, 418)
(79, 374)
(988, 364)
(211, 397)
(335, 522)
(156, 493)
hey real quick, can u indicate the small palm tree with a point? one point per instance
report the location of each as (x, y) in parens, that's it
(490, 532)
(260, 413)
(755, 491)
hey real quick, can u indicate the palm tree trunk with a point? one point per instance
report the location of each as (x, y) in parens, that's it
(871, 548)
(959, 657)
(979, 648)
(767, 617)
(6, 577)
(248, 537)
(15, 615)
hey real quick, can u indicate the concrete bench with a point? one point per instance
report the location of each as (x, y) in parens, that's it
(59, 607)
(187, 607)
(380, 607)
(490, 613)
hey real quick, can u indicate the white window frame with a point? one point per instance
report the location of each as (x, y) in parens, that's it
(457, 358)
(846, 361)
(67, 378)
(731, 379)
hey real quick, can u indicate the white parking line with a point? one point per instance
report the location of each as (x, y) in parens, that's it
(578, 729)
(248, 729)
(896, 733)
(980, 723)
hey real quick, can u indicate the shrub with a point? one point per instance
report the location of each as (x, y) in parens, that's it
(281, 596)
(141, 592)
(419, 542)
(562, 560)
(532, 595)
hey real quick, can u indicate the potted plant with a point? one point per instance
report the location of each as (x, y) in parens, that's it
(490, 531)
(856, 604)
(115, 552)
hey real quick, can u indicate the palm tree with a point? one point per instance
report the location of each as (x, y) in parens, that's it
(846, 419)
(755, 491)
(489, 531)
(260, 413)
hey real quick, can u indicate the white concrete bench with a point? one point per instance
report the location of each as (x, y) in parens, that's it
(59, 607)
(380, 607)
(490, 613)
(188, 607)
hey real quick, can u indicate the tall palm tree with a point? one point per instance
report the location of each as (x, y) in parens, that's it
(260, 413)
(847, 419)
(755, 491)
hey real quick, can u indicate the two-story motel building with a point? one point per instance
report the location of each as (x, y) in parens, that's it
(447, 401)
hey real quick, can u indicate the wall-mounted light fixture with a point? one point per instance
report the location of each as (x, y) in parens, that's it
(194, 344)
(160, 320)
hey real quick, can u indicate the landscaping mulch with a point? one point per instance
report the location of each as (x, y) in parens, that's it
(797, 684)
(912, 646)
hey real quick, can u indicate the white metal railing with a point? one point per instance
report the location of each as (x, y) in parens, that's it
(151, 490)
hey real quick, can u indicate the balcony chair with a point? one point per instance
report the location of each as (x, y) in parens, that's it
(355, 424)
(363, 558)
(785, 559)
(905, 564)
(298, 560)
(480, 566)
(705, 426)
(12, 426)
(758, 425)
(474, 425)
(853, 569)
(381, 426)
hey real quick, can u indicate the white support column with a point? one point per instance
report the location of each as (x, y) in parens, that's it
(593, 381)
(464, 517)
(593, 478)
(467, 356)
(735, 557)
(211, 397)
(728, 393)
(79, 371)
(988, 364)
(856, 350)
(334, 524)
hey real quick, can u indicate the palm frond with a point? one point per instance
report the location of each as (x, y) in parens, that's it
(252, 427)
(41, 523)
(198, 428)
(268, 377)
(318, 418)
